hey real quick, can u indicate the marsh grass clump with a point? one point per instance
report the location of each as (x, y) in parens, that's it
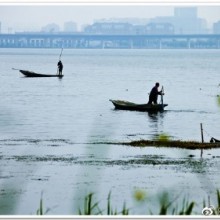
(215, 210)
(192, 145)
(113, 211)
(218, 100)
(166, 206)
(92, 208)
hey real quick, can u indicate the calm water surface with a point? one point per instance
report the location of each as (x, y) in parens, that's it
(48, 125)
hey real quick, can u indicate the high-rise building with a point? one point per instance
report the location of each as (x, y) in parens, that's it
(51, 28)
(109, 28)
(185, 12)
(216, 28)
(185, 21)
(159, 28)
(70, 26)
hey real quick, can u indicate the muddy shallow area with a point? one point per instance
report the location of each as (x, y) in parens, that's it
(34, 167)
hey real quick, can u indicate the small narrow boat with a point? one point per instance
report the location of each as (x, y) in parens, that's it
(33, 74)
(125, 105)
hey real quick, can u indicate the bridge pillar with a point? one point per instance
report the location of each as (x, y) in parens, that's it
(28, 42)
(103, 44)
(131, 44)
(188, 43)
(16, 42)
(160, 44)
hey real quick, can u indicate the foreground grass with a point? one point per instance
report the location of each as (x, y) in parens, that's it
(166, 206)
(92, 208)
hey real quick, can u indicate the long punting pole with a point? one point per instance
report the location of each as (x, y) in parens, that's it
(162, 97)
(201, 137)
(61, 53)
(60, 58)
(201, 132)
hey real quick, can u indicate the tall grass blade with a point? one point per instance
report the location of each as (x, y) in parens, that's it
(125, 211)
(40, 210)
(109, 212)
(218, 198)
(89, 208)
(189, 209)
(163, 210)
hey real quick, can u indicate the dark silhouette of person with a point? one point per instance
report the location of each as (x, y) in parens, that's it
(60, 67)
(154, 94)
(213, 140)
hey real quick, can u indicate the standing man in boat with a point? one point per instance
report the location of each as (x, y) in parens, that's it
(154, 94)
(60, 68)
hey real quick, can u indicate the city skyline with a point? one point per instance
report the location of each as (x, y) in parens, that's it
(33, 18)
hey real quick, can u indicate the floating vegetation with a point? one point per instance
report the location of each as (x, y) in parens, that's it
(164, 140)
(46, 158)
(192, 145)
(34, 141)
(163, 137)
(218, 100)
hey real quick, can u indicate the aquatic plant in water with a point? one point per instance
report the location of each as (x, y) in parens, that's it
(166, 206)
(92, 208)
(40, 210)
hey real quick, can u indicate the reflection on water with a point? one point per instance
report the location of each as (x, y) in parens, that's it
(155, 121)
(156, 117)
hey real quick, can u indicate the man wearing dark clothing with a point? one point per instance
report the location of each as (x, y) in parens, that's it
(154, 94)
(60, 67)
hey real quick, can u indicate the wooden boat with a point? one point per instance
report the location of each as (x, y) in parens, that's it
(125, 105)
(33, 74)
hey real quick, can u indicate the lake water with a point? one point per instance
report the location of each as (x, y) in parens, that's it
(48, 127)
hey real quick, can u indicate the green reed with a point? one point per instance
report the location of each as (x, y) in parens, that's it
(92, 208)
(170, 207)
(40, 210)
(166, 206)
(216, 210)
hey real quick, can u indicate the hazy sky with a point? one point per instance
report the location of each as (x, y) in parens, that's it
(32, 17)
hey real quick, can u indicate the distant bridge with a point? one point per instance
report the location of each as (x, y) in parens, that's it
(83, 40)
